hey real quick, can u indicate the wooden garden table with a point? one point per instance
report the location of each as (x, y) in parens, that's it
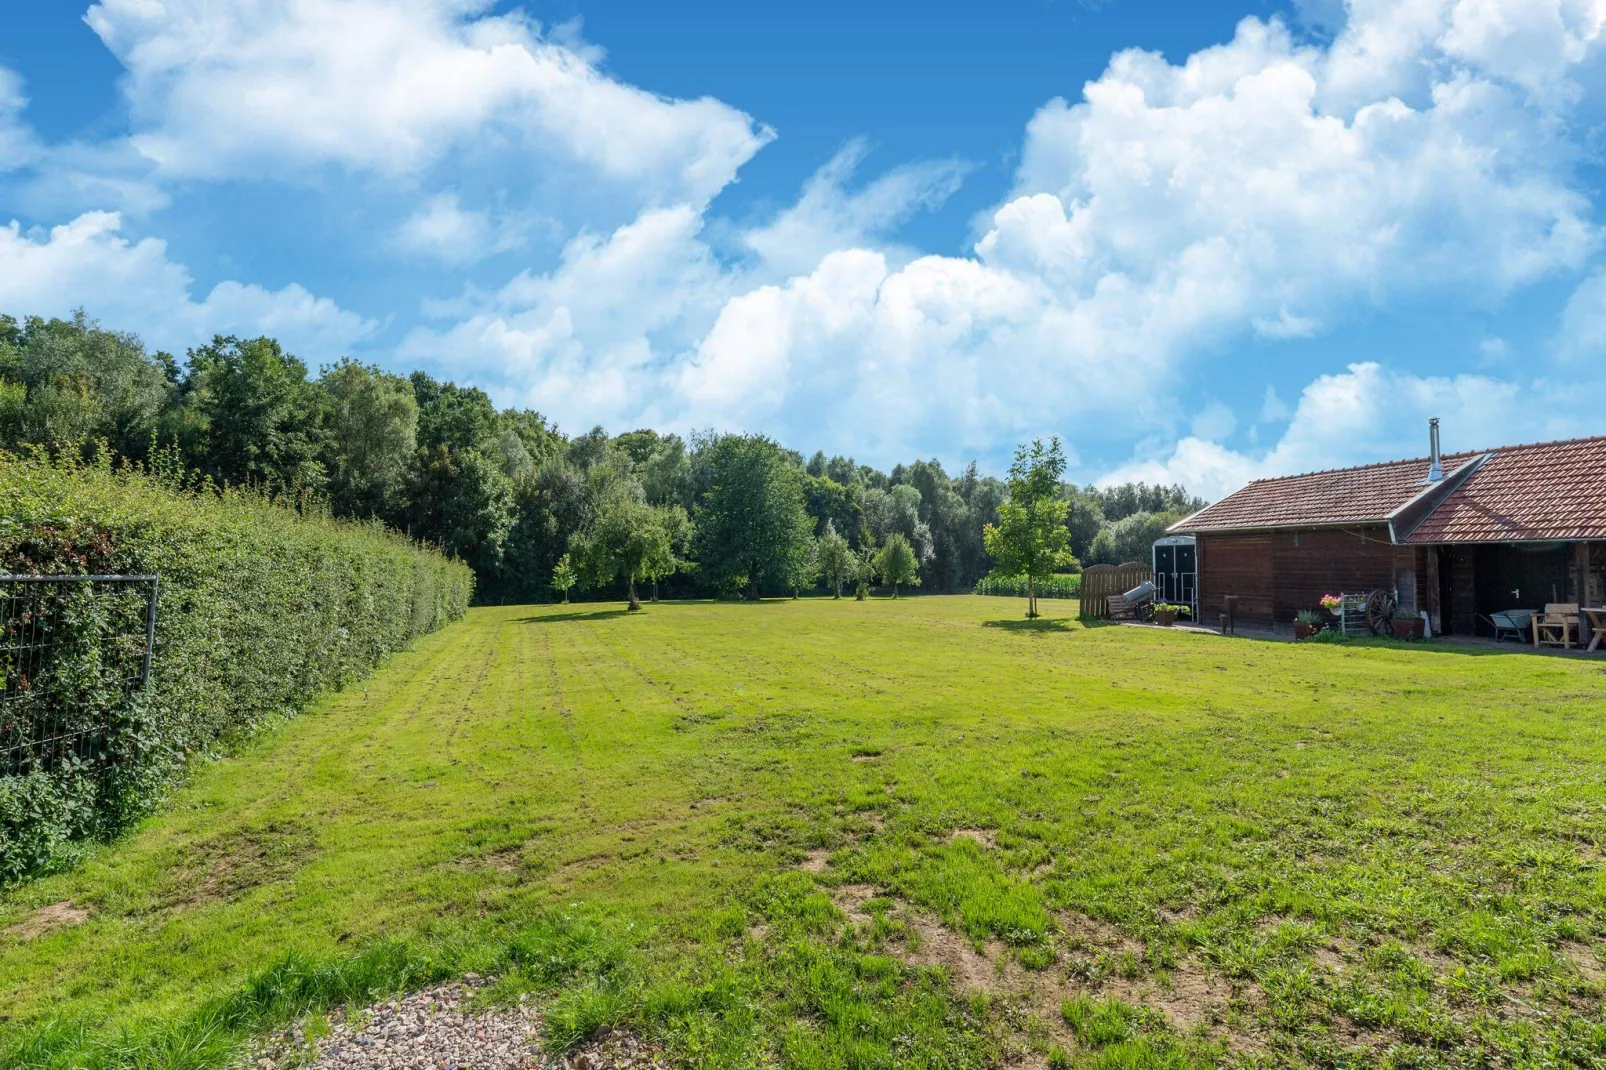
(1597, 624)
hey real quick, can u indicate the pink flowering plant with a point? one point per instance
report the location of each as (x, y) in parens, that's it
(1332, 602)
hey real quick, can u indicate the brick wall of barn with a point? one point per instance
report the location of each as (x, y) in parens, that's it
(1277, 574)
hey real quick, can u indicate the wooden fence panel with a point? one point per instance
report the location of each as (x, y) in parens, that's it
(1101, 581)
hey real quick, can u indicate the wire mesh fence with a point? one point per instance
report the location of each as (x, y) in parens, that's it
(75, 655)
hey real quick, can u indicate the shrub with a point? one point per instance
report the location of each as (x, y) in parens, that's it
(261, 609)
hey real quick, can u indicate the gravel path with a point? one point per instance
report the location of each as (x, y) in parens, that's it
(432, 1030)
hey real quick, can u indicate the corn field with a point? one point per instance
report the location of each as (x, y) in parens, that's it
(1057, 586)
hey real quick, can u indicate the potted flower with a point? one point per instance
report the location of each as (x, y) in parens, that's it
(1334, 604)
(1307, 622)
(1166, 613)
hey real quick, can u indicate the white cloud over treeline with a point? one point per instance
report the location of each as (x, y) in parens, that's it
(1263, 189)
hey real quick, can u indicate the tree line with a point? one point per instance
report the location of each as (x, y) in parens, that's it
(534, 512)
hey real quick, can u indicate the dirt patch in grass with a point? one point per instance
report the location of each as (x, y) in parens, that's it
(1083, 932)
(850, 899)
(507, 860)
(815, 861)
(1193, 996)
(45, 920)
(574, 869)
(231, 864)
(985, 837)
(1583, 956)
(1189, 996)
(989, 970)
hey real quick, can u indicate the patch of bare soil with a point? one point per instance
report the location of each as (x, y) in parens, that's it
(1443, 965)
(1583, 956)
(507, 860)
(1190, 997)
(989, 970)
(814, 861)
(985, 837)
(47, 919)
(850, 899)
(578, 867)
(231, 864)
(1085, 933)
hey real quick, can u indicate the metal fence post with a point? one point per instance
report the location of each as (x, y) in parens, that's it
(150, 632)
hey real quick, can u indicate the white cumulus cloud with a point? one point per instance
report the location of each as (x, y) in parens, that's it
(132, 285)
(223, 89)
(1176, 208)
(1368, 413)
(829, 216)
(18, 145)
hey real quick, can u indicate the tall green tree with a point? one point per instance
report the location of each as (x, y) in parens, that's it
(372, 424)
(751, 524)
(1030, 539)
(549, 507)
(80, 384)
(835, 558)
(249, 415)
(628, 540)
(462, 501)
(896, 563)
(458, 417)
(1131, 538)
(672, 555)
(863, 571)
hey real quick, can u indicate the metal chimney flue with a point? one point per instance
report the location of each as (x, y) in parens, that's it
(1435, 464)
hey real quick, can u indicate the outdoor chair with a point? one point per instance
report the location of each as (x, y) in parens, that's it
(1557, 625)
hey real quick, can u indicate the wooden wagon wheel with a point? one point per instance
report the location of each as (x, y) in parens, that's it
(1380, 607)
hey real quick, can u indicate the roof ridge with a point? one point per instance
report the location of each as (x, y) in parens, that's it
(1424, 460)
(1538, 445)
(1363, 467)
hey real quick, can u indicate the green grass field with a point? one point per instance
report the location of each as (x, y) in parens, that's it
(839, 834)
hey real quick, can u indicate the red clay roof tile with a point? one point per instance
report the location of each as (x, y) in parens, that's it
(1550, 490)
(1543, 491)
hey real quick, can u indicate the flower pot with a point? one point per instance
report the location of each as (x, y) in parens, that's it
(1303, 631)
(1407, 627)
(1165, 618)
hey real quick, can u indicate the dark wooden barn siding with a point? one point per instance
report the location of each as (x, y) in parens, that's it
(1278, 574)
(1237, 565)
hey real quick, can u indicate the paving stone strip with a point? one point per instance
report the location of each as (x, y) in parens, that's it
(433, 1030)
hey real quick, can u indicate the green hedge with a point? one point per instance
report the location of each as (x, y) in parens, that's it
(1056, 586)
(261, 610)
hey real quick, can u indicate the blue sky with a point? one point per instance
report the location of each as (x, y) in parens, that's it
(1202, 242)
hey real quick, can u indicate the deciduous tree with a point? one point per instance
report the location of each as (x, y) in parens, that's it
(751, 525)
(563, 577)
(249, 415)
(896, 563)
(372, 420)
(627, 540)
(1030, 539)
(670, 555)
(835, 558)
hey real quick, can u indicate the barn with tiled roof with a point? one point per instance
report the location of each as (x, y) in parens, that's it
(1460, 536)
